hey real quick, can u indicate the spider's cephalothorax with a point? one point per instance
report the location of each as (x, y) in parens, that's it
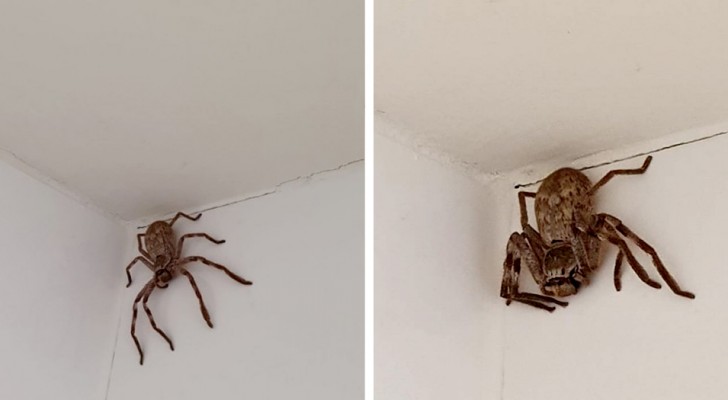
(162, 256)
(565, 249)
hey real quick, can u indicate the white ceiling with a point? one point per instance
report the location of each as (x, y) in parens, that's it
(505, 83)
(145, 107)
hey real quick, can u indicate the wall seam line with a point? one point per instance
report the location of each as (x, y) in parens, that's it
(640, 154)
(28, 169)
(120, 313)
(272, 191)
(113, 356)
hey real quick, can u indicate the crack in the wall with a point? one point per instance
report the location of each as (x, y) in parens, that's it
(27, 168)
(397, 132)
(503, 355)
(503, 378)
(272, 191)
(640, 154)
(113, 356)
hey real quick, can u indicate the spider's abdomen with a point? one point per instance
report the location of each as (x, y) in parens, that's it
(159, 240)
(562, 199)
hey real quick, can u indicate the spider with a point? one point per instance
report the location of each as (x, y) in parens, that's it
(162, 256)
(565, 249)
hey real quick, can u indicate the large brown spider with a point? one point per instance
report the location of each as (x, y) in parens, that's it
(565, 249)
(162, 256)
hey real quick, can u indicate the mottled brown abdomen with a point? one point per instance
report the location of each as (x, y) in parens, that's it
(562, 199)
(159, 240)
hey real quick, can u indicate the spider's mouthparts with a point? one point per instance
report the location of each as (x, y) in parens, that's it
(557, 273)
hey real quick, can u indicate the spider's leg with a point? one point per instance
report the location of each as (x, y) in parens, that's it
(582, 243)
(203, 260)
(131, 264)
(522, 204)
(191, 235)
(532, 303)
(607, 232)
(538, 297)
(618, 271)
(181, 214)
(611, 174)
(141, 246)
(151, 318)
(656, 261)
(205, 314)
(518, 250)
(138, 298)
(535, 241)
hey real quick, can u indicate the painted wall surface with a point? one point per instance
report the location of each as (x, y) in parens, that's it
(502, 84)
(641, 342)
(298, 332)
(59, 292)
(434, 267)
(186, 102)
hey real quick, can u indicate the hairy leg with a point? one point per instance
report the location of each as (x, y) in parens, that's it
(131, 264)
(606, 232)
(535, 241)
(151, 318)
(518, 250)
(618, 271)
(580, 244)
(138, 298)
(191, 235)
(522, 195)
(203, 260)
(532, 303)
(181, 214)
(141, 246)
(656, 261)
(611, 174)
(203, 309)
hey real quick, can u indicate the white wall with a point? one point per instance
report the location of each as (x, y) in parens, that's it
(298, 332)
(185, 102)
(59, 291)
(496, 82)
(433, 252)
(440, 242)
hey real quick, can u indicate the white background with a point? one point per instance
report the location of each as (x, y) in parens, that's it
(147, 107)
(434, 332)
(59, 289)
(501, 84)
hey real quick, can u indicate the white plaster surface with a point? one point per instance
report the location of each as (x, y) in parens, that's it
(144, 108)
(298, 332)
(436, 325)
(503, 84)
(59, 291)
